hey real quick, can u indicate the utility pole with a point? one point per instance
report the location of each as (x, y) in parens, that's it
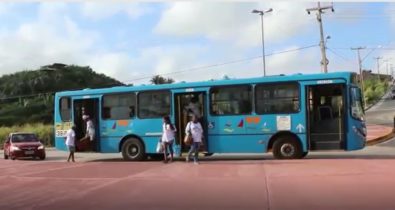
(387, 60)
(360, 69)
(378, 66)
(320, 10)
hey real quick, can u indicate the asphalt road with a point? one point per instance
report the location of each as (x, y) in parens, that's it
(383, 112)
(323, 180)
(332, 180)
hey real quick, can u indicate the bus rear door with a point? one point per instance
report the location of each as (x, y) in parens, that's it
(326, 116)
(89, 106)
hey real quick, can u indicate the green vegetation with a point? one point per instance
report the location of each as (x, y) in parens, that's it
(27, 96)
(44, 132)
(157, 80)
(374, 90)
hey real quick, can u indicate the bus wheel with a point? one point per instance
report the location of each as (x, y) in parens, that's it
(133, 150)
(287, 147)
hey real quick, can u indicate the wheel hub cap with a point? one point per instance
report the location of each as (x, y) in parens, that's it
(287, 150)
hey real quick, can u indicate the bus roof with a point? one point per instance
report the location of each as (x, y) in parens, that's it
(267, 79)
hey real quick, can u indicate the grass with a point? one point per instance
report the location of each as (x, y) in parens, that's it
(44, 132)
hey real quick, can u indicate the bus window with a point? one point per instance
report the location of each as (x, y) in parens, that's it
(154, 104)
(357, 110)
(277, 98)
(231, 100)
(119, 106)
(65, 109)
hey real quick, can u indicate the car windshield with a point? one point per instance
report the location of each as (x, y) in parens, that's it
(25, 137)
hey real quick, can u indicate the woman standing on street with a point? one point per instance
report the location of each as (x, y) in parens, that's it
(168, 137)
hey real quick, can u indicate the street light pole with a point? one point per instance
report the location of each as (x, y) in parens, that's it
(263, 48)
(261, 13)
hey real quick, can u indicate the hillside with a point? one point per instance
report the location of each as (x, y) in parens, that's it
(27, 96)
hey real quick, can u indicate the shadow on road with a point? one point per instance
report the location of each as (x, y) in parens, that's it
(265, 159)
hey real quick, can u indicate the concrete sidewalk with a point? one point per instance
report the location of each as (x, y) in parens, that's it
(378, 133)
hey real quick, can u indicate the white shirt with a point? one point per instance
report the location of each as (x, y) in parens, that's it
(70, 138)
(194, 107)
(90, 129)
(168, 134)
(196, 130)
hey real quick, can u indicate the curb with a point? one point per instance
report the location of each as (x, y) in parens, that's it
(381, 139)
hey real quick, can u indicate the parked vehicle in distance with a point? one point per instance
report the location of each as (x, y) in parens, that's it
(393, 93)
(19, 145)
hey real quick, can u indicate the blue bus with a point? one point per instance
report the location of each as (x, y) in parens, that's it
(287, 115)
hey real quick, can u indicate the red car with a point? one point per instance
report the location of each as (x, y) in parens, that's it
(20, 145)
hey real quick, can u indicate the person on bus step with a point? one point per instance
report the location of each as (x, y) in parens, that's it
(168, 137)
(195, 129)
(70, 142)
(193, 108)
(90, 128)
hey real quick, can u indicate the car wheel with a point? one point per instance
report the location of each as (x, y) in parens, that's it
(5, 156)
(287, 147)
(42, 157)
(133, 150)
(13, 158)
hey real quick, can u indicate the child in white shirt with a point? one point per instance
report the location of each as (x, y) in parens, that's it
(195, 129)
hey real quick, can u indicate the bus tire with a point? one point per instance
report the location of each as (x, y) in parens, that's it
(133, 150)
(287, 147)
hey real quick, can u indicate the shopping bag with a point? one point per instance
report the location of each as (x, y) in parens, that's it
(188, 139)
(159, 147)
(177, 150)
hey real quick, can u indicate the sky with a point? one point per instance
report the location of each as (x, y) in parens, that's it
(193, 41)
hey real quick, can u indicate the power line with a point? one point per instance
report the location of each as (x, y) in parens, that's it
(176, 72)
(220, 64)
(340, 56)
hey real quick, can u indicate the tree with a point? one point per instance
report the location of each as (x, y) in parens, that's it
(157, 80)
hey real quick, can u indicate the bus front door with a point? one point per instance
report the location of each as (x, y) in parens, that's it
(186, 105)
(326, 116)
(88, 107)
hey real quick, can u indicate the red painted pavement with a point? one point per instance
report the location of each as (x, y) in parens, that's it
(258, 184)
(376, 131)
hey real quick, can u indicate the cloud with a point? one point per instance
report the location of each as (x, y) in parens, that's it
(51, 37)
(233, 22)
(389, 10)
(54, 35)
(102, 10)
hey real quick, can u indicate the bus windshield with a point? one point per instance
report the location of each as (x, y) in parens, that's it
(356, 104)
